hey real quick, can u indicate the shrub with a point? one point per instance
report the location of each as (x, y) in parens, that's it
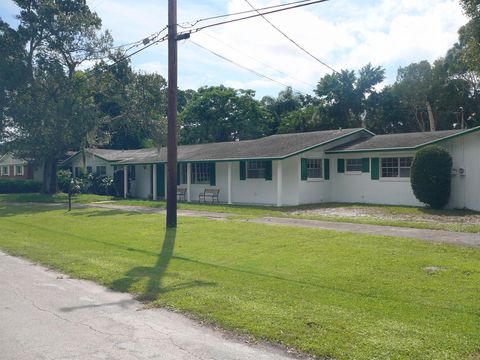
(431, 176)
(63, 180)
(102, 185)
(19, 186)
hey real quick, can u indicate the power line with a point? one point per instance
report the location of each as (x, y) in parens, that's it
(290, 39)
(302, 4)
(188, 24)
(258, 61)
(246, 68)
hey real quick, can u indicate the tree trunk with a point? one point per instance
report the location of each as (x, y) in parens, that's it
(50, 176)
(431, 119)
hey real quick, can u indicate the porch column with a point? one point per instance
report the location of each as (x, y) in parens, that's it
(125, 181)
(165, 181)
(154, 180)
(279, 183)
(189, 181)
(229, 183)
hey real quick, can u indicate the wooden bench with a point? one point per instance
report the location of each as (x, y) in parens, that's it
(211, 194)
(181, 194)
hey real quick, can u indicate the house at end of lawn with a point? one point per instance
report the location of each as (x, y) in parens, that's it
(345, 165)
(13, 168)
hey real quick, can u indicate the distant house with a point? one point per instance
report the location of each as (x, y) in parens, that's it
(12, 167)
(347, 165)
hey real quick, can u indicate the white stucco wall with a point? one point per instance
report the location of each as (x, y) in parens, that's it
(360, 188)
(341, 187)
(141, 187)
(465, 152)
(90, 160)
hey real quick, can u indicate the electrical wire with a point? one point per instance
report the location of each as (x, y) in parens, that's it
(258, 61)
(246, 68)
(291, 40)
(187, 24)
(192, 31)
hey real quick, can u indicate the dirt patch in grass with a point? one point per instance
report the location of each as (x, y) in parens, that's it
(381, 213)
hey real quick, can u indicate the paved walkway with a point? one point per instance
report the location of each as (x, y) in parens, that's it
(46, 315)
(450, 237)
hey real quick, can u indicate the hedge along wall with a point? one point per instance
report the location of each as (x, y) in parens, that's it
(19, 186)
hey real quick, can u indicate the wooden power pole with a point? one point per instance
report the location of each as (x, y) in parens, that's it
(172, 116)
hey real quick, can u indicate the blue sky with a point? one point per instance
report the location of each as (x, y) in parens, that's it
(345, 34)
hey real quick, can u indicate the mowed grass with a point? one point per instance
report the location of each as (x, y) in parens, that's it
(334, 295)
(250, 211)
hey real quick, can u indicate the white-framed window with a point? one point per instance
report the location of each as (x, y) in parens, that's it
(256, 169)
(102, 171)
(396, 167)
(5, 170)
(314, 168)
(354, 165)
(18, 170)
(201, 173)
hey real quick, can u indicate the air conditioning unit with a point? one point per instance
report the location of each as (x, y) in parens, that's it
(462, 171)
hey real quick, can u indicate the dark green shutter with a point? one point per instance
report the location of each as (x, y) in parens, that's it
(375, 169)
(365, 165)
(213, 175)
(326, 170)
(178, 173)
(268, 170)
(304, 174)
(243, 172)
(340, 165)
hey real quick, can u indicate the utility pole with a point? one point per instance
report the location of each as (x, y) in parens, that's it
(172, 116)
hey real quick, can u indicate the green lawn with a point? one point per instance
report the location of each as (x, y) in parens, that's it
(262, 211)
(335, 295)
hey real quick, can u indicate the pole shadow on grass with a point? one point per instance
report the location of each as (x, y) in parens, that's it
(154, 276)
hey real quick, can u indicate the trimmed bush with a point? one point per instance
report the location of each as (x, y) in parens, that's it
(19, 186)
(63, 180)
(431, 176)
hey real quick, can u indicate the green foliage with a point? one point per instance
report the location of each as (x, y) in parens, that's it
(332, 294)
(53, 39)
(101, 185)
(343, 95)
(219, 113)
(431, 176)
(19, 186)
(63, 180)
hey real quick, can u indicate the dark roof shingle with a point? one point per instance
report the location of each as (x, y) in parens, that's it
(275, 146)
(395, 141)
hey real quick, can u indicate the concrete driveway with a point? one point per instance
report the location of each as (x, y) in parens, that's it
(45, 315)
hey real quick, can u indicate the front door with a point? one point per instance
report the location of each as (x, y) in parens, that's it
(161, 180)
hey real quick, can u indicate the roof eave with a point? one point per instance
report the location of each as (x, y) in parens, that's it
(411, 148)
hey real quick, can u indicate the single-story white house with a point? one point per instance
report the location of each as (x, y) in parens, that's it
(346, 165)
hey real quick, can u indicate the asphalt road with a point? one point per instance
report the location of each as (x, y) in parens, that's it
(45, 315)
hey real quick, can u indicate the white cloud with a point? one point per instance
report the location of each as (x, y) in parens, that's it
(342, 33)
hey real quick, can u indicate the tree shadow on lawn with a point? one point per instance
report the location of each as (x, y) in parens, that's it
(89, 212)
(14, 209)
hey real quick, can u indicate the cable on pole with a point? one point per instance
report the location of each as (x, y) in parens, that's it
(303, 4)
(257, 60)
(283, 85)
(291, 40)
(187, 24)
